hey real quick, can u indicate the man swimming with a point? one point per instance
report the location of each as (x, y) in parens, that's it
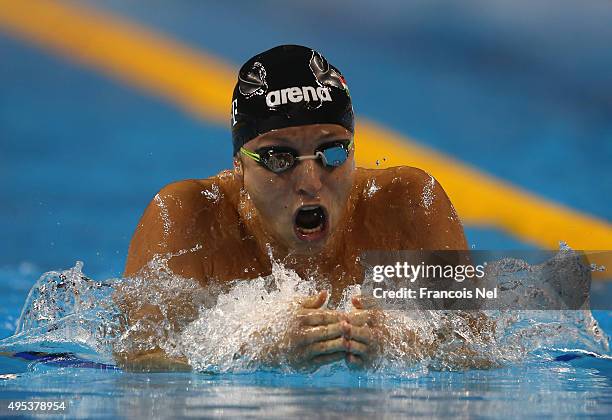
(295, 195)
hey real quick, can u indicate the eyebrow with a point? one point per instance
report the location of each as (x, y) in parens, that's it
(277, 141)
(327, 135)
(331, 135)
(287, 142)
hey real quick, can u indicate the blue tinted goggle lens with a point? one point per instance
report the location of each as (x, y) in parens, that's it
(335, 155)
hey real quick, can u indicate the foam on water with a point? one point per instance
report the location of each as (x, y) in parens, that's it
(237, 326)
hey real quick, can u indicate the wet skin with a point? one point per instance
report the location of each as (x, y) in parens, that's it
(229, 223)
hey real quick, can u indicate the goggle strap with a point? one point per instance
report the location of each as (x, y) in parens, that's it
(250, 154)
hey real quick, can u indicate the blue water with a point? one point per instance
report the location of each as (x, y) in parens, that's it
(521, 91)
(546, 389)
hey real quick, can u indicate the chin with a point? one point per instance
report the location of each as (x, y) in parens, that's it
(309, 250)
(309, 246)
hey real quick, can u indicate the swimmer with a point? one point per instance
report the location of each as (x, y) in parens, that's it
(294, 192)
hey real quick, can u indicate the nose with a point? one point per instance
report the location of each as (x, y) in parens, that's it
(308, 178)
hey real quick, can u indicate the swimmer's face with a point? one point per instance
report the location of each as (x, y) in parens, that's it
(304, 205)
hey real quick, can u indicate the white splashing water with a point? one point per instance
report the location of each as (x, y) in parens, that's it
(163, 209)
(371, 188)
(213, 194)
(428, 195)
(247, 320)
(232, 327)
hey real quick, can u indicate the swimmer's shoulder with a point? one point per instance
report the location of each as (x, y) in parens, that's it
(397, 181)
(196, 198)
(190, 217)
(203, 207)
(412, 200)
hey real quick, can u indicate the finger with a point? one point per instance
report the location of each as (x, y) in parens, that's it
(325, 347)
(358, 318)
(354, 361)
(316, 301)
(355, 347)
(364, 302)
(361, 334)
(357, 302)
(328, 358)
(315, 318)
(321, 333)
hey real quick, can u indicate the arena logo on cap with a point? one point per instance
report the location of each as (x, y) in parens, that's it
(297, 94)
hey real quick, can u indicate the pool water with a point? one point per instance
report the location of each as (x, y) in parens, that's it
(551, 381)
(542, 388)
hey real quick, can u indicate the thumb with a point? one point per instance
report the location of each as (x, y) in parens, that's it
(315, 301)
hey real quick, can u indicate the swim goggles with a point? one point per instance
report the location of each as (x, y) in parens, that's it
(279, 158)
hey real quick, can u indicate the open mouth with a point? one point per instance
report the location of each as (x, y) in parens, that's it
(310, 223)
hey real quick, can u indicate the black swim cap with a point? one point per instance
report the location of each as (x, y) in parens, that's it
(287, 86)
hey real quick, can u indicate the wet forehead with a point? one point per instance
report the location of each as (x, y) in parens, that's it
(303, 136)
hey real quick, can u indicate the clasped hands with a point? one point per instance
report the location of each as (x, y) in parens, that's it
(317, 336)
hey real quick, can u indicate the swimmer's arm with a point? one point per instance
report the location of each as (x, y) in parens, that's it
(154, 361)
(378, 334)
(170, 228)
(133, 351)
(460, 356)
